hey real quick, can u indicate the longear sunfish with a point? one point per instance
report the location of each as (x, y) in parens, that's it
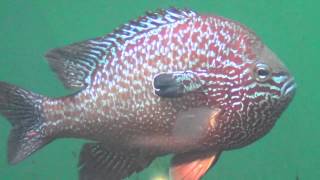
(171, 82)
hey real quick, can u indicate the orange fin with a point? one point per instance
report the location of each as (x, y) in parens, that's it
(190, 166)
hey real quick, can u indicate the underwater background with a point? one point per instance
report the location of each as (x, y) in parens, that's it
(291, 28)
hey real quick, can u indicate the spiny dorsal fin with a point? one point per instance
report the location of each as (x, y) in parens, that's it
(148, 22)
(75, 63)
(99, 163)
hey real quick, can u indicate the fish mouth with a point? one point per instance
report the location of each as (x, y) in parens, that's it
(289, 88)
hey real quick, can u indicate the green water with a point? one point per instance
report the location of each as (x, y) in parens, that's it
(290, 27)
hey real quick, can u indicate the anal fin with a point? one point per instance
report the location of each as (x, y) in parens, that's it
(190, 166)
(99, 163)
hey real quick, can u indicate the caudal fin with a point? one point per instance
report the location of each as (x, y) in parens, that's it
(24, 111)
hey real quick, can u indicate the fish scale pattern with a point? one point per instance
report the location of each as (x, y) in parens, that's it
(120, 88)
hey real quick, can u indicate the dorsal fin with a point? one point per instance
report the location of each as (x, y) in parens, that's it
(75, 63)
(148, 22)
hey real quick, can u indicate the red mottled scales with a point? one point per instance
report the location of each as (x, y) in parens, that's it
(171, 82)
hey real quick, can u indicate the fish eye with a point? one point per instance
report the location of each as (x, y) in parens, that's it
(262, 72)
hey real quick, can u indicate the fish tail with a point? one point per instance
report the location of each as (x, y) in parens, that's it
(23, 109)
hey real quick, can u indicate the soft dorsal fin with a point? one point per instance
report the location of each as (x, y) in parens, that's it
(75, 63)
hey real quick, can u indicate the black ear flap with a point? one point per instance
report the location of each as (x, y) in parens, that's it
(176, 84)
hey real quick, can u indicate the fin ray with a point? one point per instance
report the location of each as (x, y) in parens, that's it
(23, 110)
(190, 166)
(99, 163)
(75, 63)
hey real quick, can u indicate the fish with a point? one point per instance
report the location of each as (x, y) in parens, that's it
(171, 82)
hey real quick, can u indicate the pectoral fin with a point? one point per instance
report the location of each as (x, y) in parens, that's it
(190, 166)
(176, 84)
(99, 163)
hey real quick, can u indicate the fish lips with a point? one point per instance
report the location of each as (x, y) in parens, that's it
(289, 88)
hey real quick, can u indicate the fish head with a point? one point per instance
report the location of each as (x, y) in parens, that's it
(255, 88)
(265, 87)
(272, 83)
(258, 80)
(251, 86)
(251, 92)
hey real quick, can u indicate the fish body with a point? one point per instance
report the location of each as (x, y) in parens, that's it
(171, 82)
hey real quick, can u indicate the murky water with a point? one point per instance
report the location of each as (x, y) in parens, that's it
(290, 27)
